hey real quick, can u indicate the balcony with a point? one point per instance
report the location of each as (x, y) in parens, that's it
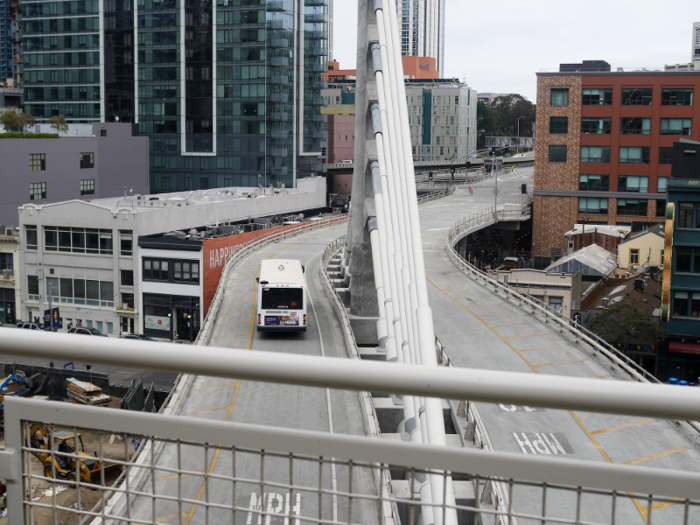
(316, 18)
(315, 3)
(319, 84)
(281, 98)
(319, 135)
(279, 115)
(278, 152)
(279, 135)
(318, 101)
(280, 79)
(315, 35)
(319, 68)
(278, 43)
(7, 276)
(318, 118)
(317, 51)
(280, 61)
(278, 170)
(277, 24)
(277, 6)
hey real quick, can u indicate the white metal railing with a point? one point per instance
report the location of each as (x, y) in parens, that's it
(260, 458)
(467, 225)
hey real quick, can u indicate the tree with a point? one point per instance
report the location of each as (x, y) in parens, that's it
(16, 122)
(59, 124)
(10, 121)
(627, 322)
(502, 116)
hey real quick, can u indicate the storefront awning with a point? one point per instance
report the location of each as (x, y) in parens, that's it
(684, 348)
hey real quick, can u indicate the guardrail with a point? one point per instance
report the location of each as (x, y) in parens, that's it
(264, 456)
(469, 224)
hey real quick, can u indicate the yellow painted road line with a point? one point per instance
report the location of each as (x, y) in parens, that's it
(560, 363)
(655, 456)
(509, 324)
(175, 476)
(208, 411)
(662, 504)
(488, 315)
(484, 305)
(525, 335)
(541, 348)
(620, 427)
(217, 387)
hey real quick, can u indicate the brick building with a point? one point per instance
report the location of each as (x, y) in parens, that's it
(603, 147)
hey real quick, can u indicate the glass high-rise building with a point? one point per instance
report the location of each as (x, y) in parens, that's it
(228, 91)
(5, 42)
(422, 29)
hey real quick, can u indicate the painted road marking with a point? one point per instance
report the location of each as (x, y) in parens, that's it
(620, 427)
(175, 476)
(509, 324)
(540, 348)
(544, 443)
(276, 503)
(655, 456)
(217, 387)
(514, 408)
(560, 363)
(210, 411)
(499, 313)
(524, 335)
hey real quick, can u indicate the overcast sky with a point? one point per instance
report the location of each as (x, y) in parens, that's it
(498, 46)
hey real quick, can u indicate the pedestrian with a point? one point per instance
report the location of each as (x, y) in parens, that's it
(471, 191)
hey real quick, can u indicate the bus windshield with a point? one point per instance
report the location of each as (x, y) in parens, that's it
(282, 299)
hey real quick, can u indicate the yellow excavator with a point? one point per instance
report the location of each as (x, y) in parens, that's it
(65, 466)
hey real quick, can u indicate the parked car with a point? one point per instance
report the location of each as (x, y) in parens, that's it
(29, 326)
(140, 337)
(507, 155)
(519, 155)
(84, 330)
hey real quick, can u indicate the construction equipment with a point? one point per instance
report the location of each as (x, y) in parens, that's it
(67, 456)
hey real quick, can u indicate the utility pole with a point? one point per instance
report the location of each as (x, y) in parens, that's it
(517, 148)
(495, 183)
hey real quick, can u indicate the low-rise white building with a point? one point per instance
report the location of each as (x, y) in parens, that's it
(560, 292)
(10, 277)
(135, 264)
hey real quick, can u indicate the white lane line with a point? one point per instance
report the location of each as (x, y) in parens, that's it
(334, 478)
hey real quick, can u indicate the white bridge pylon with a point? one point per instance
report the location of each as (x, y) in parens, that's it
(385, 224)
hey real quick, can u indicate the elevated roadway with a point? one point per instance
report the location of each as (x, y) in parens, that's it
(479, 328)
(286, 406)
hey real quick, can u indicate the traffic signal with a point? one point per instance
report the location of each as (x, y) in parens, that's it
(430, 176)
(452, 170)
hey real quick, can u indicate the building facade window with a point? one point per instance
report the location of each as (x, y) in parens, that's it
(637, 207)
(32, 287)
(665, 155)
(78, 240)
(637, 96)
(127, 277)
(7, 262)
(677, 97)
(635, 126)
(633, 184)
(661, 208)
(81, 291)
(592, 205)
(37, 191)
(593, 182)
(676, 126)
(634, 155)
(684, 259)
(680, 304)
(126, 243)
(661, 184)
(559, 97)
(559, 125)
(31, 237)
(634, 256)
(557, 153)
(37, 162)
(87, 160)
(597, 97)
(87, 187)
(685, 215)
(596, 126)
(595, 154)
(128, 300)
(171, 270)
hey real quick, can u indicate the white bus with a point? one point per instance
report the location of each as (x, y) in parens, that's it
(281, 296)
